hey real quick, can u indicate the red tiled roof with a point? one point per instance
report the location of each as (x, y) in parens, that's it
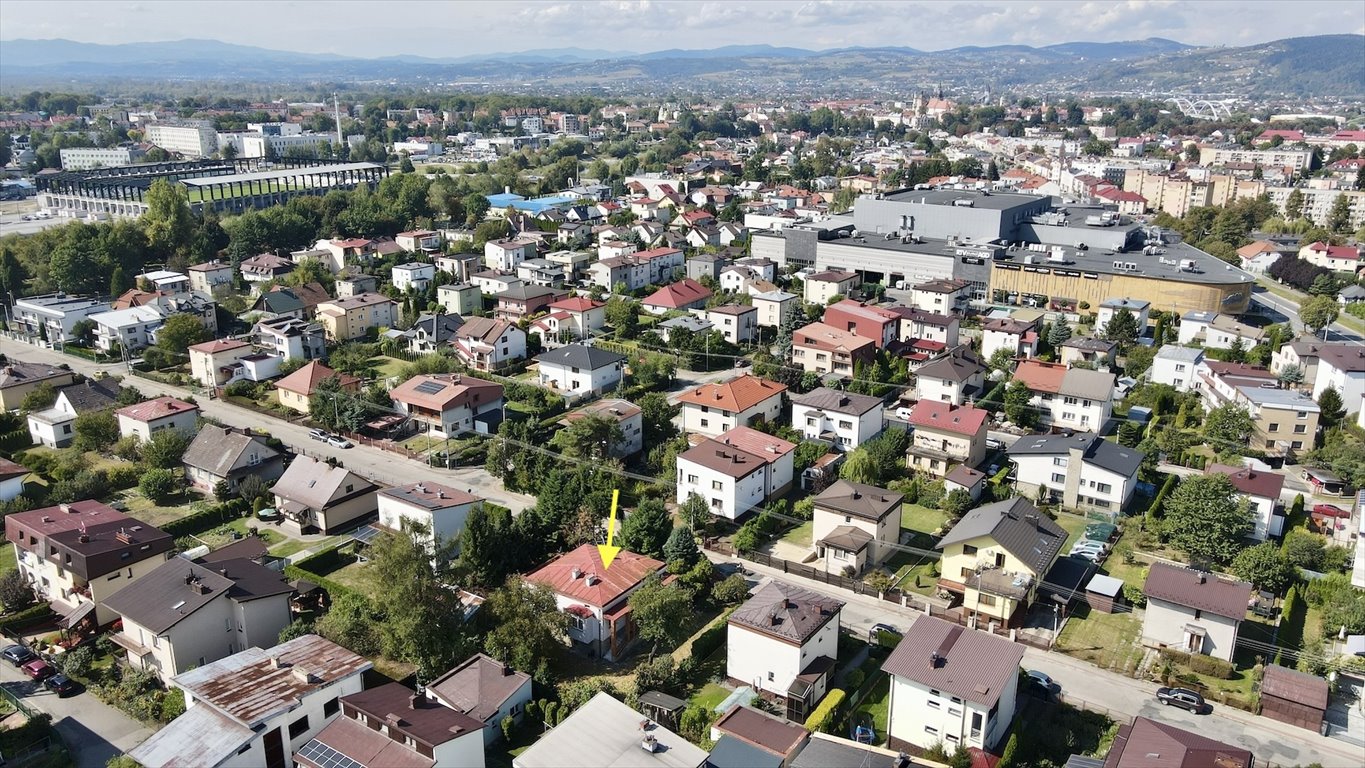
(1252, 482)
(827, 337)
(1039, 376)
(738, 394)
(218, 345)
(151, 410)
(680, 294)
(449, 391)
(306, 379)
(758, 443)
(576, 304)
(964, 419)
(607, 585)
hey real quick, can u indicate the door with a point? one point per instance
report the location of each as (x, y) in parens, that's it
(274, 750)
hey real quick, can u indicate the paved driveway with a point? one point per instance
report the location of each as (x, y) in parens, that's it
(93, 730)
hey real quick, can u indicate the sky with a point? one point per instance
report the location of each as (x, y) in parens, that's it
(372, 28)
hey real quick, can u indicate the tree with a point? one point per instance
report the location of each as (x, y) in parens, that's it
(165, 449)
(180, 332)
(488, 543)
(623, 316)
(647, 529)
(40, 398)
(657, 607)
(1333, 410)
(15, 592)
(1122, 329)
(1059, 333)
(681, 547)
(334, 408)
(1001, 359)
(1017, 407)
(1318, 312)
(1207, 519)
(423, 619)
(351, 622)
(476, 207)
(1290, 375)
(119, 282)
(1339, 217)
(167, 222)
(1228, 425)
(589, 437)
(693, 512)
(159, 485)
(1265, 567)
(732, 590)
(957, 502)
(860, 466)
(405, 165)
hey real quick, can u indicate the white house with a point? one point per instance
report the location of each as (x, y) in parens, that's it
(594, 596)
(131, 329)
(211, 277)
(573, 317)
(842, 418)
(711, 409)
(486, 690)
(955, 377)
(55, 426)
(370, 731)
(775, 308)
(576, 370)
(1083, 471)
(1139, 309)
(440, 509)
(1262, 491)
(257, 706)
(211, 362)
(149, 417)
(784, 641)
(737, 322)
(820, 287)
(187, 614)
(505, 255)
(488, 344)
(447, 405)
(1193, 611)
(1175, 366)
(415, 275)
(1217, 331)
(1018, 337)
(930, 326)
(627, 416)
(944, 296)
(736, 472)
(55, 314)
(952, 686)
(855, 526)
(413, 241)
(1068, 398)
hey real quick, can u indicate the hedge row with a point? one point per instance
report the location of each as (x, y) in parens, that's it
(34, 614)
(326, 561)
(208, 519)
(1199, 663)
(1159, 502)
(709, 641)
(16, 440)
(824, 716)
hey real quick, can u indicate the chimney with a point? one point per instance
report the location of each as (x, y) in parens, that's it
(933, 660)
(857, 494)
(222, 571)
(65, 508)
(1203, 577)
(592, 579)
(275, 661)
(414, 701)
(84, 538)
(575, 573)
(506, 670)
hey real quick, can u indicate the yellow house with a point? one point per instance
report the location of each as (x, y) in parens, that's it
(995, 556)
(353, 317)
(296, 388)
(18, 379)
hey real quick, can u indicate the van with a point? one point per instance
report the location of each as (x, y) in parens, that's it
(43, 215)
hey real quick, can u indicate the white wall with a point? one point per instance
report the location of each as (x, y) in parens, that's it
(915, 710)
(731, 499)
(184, 422)
(942, 390)
(850, 431)
(1164, 625)
(584, 381)
(446, 524)
(753, 657)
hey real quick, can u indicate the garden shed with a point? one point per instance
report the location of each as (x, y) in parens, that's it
(1294, 697)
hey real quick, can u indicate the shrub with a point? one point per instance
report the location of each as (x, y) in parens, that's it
(549, 711)
(508, 725)
(695, 723)
(731, 591)
(854, 679)
(533, 710)
(159, 484)
(121, 476)
(77, 662)
(172, 705)
(15, 593)
(1134, 596)
(824, 717)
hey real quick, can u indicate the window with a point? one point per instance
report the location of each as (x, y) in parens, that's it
(331, 707)
(987, 601)
(1104, 487)
(576, 622)
(1273, 428)
(951, 738)
(692, 478)
(845, 424)
(298, 727)
(933, 704)
(968, 549)
(716, 485)
(1301, 415)
(1296, 444)
(1058, 478)
(1270, 443)
(705, 422)
(955, 712)
(770, 676)
(810, 422)
(1299, 429)
(931, 730)
(1059, 461)
(1198, 614)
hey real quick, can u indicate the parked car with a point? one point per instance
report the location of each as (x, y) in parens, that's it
(877, 629)
(61, 685)
(18, 655)
(1181, 697)
(1090, 545)
(1041, 682)
(903, 414)
(337, 441)
(39, 669)
(1093, 556)
(319, 434)
(994, 444)
(1100, 531)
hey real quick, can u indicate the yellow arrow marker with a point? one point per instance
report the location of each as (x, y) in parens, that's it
(607, 551)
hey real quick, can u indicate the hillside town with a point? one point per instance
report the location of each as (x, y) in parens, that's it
(545, 432)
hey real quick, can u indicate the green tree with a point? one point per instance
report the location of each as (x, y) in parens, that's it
(860, 466)
(164, 450)
(1333, 410)
(405, 164)
(647, 529)
(1207, 519)
(488, 544)
(95, 430)
(1228, 425)
(15, 592)
(1122, 329)
(159, 485)
(40, 398)
(167, 222)
(119, 282)
(657, 607)
(1017, 408)
(681, 547)
(1265, 567)
(694, 513)
(351, 622)
(1318, 312)
(180, 332)
(423, 619)
(1059, 333)
(334, 408)
(732, 590)
(476, 207)
(589, 437)
(1290, 375)
(622, 315)
(1339, 217)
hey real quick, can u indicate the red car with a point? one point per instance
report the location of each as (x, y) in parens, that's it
(1330, 510)
(39, 669)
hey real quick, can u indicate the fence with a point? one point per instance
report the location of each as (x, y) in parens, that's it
(814, 574)
(18, 704)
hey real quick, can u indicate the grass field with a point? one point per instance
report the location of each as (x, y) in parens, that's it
(877, 705)
(801, 534)
(922, 520)
(1111, 641)
(710, 696)
(144, 509)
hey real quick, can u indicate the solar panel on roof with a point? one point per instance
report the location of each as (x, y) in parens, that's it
(430, 387)
(326, 757)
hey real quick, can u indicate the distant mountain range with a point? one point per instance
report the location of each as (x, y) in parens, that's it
(1323, 66)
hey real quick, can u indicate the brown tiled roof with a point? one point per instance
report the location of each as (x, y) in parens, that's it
(151, 410)
(417, 716)
(1196, 589)
(865, 501)
(1298, 687)
(363, 745)
(974, 666)
(786, 611)
(761, 444)
(9, 469)
(607, 585)
(722, 458)
(306, 379)
(478, 687)
(441, 392)
(829, 338)
(218, 345)
(1149, 744)
(738, 394)
(1253, 482)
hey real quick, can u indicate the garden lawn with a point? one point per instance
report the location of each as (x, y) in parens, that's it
(7, 560)
(913, 572)
(801, 534)
(922, 519)
(1111, 641)
(357, 576)
(144, 509)
(385, 367)
(877, 705)
(1074, 525)
(710, 696)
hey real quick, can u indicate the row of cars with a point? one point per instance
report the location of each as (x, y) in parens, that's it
(1094, 542)
(336, 441)
(39, 670)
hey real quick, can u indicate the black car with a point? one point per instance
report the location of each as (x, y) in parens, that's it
(61, 685)
(18, 655)
(1183, 698)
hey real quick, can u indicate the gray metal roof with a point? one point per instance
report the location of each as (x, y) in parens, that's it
(838, 401)
(200, 736)
(1094, 450)
(579, 356)
(178, 588)
(974, 666)
(220, 450)
(865, 501)
(731, 752)
(786, 611)
(604, 733)
(1016, 525)
(1179, 353)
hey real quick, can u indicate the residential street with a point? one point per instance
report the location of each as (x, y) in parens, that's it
(93, 730)
(373, 463)
(1122, 697)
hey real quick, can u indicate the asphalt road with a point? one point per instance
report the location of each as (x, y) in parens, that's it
(92, 730)
(1283, 310)
(373, 463)
(13, 223)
